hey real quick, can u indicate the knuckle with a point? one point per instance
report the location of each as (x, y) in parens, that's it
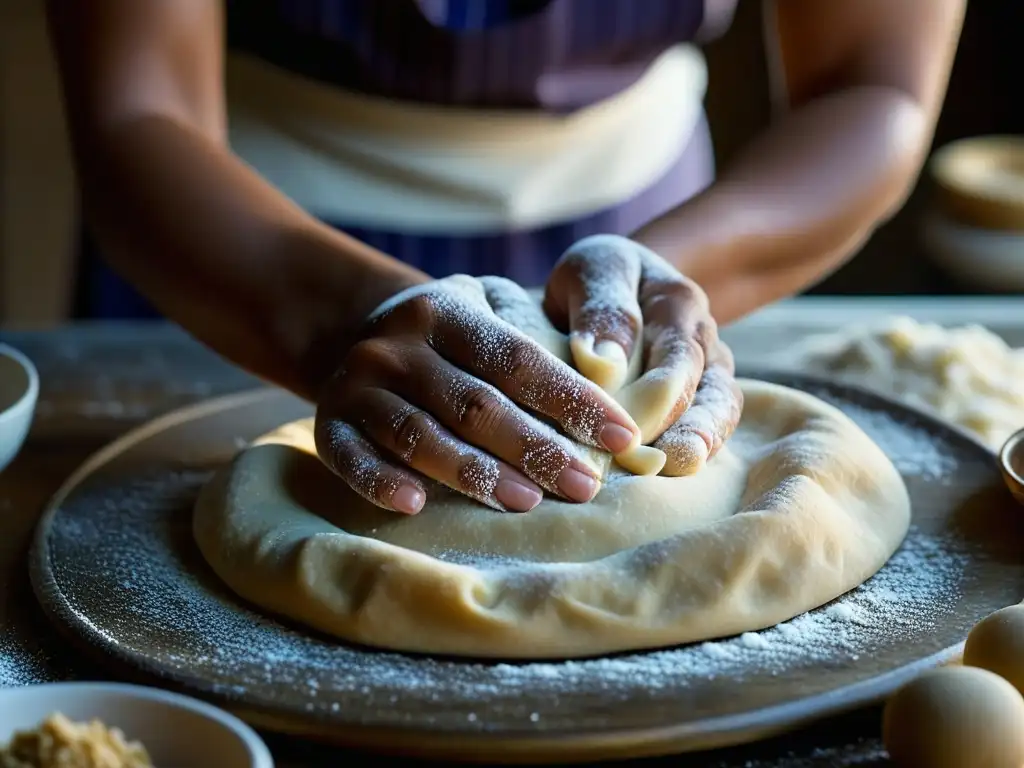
(419, 312)
(362, 354)
(522, 362)
(596, 255)
(615, 322)
(573, 259)
(333, 439)
(682, 292)
(481, 411)
(408, 427)
(371, 356)
(685, 291)
(705, 333)
(478, 476)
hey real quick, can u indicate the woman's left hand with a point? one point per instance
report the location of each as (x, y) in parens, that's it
(603, 290)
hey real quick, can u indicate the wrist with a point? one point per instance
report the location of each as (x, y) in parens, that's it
(341, 283)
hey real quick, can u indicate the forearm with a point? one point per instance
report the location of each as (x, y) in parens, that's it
(221, 252)
(799, 200)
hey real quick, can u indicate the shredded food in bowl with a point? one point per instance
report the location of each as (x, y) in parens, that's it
(60, 743)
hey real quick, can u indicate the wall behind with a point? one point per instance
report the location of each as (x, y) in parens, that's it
(37, 197)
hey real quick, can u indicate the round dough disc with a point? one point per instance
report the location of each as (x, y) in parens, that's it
(799, 507)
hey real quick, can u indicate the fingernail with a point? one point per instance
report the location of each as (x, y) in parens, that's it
(408, 499)
(584, 340)
(516, 496)
(611, 351)
(616, 438)
(576, 485)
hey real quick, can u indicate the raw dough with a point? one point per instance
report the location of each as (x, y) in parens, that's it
(968, 376)
(799, 507)
(997, 644)
(955, 717)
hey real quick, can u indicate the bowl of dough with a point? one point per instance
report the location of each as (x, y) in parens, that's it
(19, 391)
(975, 228)
(965, 375)
(96, 725)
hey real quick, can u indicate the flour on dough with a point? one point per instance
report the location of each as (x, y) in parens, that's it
(799, 507)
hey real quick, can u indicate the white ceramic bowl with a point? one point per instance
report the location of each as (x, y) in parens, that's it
(980, 258)
(176, 730)
(19, 391)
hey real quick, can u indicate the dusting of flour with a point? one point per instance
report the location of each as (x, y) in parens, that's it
(911, 449)
(17, 666)
(127, 566)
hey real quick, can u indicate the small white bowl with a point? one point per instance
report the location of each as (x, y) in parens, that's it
(19, 391)
(980, 258)
(176, 730)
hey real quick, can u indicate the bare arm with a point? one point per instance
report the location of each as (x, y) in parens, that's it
(271, 289)
(862, 82)
(215, 247)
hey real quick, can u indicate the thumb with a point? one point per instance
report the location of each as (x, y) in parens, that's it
(597, 280)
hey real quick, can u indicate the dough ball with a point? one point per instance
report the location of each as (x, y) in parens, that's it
(955, 717)
(997, 644)
(650, 562)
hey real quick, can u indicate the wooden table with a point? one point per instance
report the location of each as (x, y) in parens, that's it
(97, 381)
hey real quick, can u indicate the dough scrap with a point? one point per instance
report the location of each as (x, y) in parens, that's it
(799, 507)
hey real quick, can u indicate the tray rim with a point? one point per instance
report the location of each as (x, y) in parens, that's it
(520, 747)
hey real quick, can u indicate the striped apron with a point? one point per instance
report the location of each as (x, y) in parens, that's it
(465, 136)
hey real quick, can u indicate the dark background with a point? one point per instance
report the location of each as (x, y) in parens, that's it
(986, 96)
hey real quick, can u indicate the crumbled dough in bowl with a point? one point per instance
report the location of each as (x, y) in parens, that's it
(60, 743)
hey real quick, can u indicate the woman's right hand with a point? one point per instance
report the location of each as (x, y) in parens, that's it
(439, 387)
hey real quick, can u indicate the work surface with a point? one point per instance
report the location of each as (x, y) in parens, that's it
(99, 381)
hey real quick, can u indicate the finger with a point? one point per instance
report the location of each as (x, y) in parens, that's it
(356, 461)
(477, 341)
(480, 415)
(709, 421)
(418, 440)
(677, 330)
(596, 298)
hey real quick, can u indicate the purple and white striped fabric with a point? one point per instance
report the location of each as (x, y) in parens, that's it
(564, 55)
(551, 55)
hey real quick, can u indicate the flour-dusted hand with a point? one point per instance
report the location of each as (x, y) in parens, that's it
(441, 387)
(613, 294)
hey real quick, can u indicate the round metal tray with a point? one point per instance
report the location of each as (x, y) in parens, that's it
(114, 566)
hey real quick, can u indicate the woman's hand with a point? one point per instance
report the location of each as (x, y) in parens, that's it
(603, 291)
(440, 387)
